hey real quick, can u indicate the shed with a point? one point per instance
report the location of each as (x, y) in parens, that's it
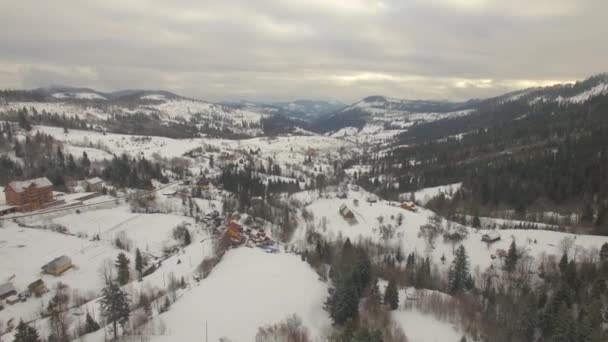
(58, 265)
(7, 290)
(13, 299)
(37, 288)
(490, 237)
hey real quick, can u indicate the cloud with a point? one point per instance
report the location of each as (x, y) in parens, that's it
(286, 49)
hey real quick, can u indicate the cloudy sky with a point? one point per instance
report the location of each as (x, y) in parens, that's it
(287, 49)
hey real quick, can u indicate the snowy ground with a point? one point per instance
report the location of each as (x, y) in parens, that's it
(148, 232)
(248, 289)
(23, 251)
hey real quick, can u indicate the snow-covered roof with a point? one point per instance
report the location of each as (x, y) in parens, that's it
(57, 262)
(95, 180)
(20, 186)
(6, 288)
(492, 235)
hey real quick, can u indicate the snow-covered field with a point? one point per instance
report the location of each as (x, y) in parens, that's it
(23, 251)
(148, 232)
(248, 289)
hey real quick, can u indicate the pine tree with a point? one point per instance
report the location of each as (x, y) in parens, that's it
(459, 278)
(565, 327)
(25, 333)
(114, 305)
(563, 263)
(343, 302)
(122, 268)
(511, 259)
(476, 222)
(139, 262)
(187, 238)
(90, 324)
(391, 295)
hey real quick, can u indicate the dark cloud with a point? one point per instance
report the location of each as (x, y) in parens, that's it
(285, 49)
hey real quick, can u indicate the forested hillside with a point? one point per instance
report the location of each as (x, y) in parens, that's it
(517, 155)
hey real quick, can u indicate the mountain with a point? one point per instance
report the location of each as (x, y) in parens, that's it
(390, 112)
(146, 112)
(418, 115)
(538, 154)
(301, 109)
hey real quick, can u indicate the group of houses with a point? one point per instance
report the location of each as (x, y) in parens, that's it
(252, 236)
(37, 288)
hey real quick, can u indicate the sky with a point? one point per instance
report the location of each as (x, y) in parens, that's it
(288, 49)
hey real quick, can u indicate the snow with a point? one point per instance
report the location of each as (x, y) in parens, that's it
(81, 111)
(248, 289)
(599, 89)
(23, 251)
(154, 97)
(536, 243)
(420, 327)
(426, 194)
(148, 232)
(79, 95)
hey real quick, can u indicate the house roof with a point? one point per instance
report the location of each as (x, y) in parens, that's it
(6, 288)
(36, 284)
(95, 180)
(20, 186)
(492, 235)
(62, 260)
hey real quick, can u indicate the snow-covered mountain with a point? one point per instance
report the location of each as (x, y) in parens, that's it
(107, 110)
(393, 113)
(302, 108)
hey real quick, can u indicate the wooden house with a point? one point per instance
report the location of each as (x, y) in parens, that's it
(58, 265)
(203, 183)
(490, 237)
(409, 206)
(37, 288)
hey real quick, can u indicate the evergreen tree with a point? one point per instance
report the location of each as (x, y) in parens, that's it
(343, 302)
(391, 295)
(511, 259)
(139, 262)
(25, 333)
(604, 251)
(565, 328)
(476, 222)
(90, 324)
(459, 278)
(114, 305)
(122, 269)
(563, 263)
